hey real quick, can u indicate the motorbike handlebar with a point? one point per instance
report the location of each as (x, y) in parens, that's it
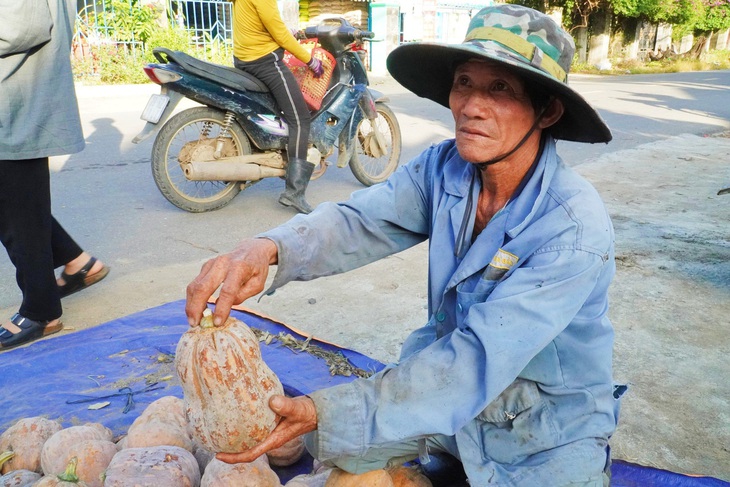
(362, 35)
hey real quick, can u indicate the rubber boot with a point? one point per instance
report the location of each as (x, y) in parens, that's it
(298, 173)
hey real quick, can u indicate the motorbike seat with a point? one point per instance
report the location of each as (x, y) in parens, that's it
(224, 75)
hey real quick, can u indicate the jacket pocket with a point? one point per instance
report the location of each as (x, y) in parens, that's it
(516, 424)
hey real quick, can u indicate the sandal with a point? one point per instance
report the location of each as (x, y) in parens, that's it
(29, 330)
(81, 279)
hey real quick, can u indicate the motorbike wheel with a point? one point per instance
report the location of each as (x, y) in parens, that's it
(195, 129)
(367, 168)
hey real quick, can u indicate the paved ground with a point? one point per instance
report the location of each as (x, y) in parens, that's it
(669, 302)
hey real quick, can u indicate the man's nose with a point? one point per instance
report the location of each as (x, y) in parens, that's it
(478, 104)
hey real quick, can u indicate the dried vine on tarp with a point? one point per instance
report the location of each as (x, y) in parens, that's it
(336, 361)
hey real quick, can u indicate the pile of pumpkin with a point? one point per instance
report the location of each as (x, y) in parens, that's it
(226, 389)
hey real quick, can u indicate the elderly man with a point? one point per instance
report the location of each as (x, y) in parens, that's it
(512, 374)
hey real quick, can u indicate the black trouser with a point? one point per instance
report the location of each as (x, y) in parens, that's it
(283, 86)
(36, 243)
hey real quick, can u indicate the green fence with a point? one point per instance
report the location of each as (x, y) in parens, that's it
(128, 24)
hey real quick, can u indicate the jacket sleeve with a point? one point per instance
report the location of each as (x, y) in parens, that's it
(374, 223)
(271, 18)
(24, 25)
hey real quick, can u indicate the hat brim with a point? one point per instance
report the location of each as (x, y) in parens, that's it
(426, 69)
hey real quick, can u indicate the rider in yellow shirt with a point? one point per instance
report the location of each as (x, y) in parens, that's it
(260, 37)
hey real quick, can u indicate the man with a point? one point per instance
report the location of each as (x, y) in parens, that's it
(512, 375)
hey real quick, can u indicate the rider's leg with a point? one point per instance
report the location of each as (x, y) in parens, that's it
(283, 86)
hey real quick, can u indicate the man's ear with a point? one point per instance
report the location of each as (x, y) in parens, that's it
(552, 114)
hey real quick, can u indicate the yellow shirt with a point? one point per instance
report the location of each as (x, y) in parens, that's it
(259, 30)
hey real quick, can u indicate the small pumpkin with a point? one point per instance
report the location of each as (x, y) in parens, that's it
(403, 476)
(255, 474)
(393, 477)
(375, 478)
(287, 454)
(19, 478)
(26, 439)
(154, 466)
(67, 478)
(226, 385)
(314, 479)
(163, 422)
(72, 441)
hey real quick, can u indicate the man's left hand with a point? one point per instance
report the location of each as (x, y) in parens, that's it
(298, 416)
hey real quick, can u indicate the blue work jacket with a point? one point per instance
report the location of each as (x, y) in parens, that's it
(515, 361)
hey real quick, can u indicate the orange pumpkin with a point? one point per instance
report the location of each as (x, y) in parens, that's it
(254, 474)
(90, 442)
(154, 466)
(163, 422)
(287, 454)
(226, 385)
(26, 438)
(375, 478)
(19, 478)
(408, 477)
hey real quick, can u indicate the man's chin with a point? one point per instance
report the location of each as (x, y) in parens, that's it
(474, 156)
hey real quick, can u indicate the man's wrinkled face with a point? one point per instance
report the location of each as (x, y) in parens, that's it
(491, 109)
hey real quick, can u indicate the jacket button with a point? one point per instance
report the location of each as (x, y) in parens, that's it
(441, 316)
(459, 307)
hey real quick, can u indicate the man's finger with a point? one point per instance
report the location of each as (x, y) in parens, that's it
(282, 405)
(198, 292)
(244, 457)
(249, 455)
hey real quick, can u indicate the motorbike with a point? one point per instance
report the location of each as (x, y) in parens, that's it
(203, 156)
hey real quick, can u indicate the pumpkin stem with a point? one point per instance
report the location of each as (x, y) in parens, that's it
(207, 321)
(5, 456)
(70, 474)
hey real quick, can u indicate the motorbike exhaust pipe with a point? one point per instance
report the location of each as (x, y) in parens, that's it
(229, 171)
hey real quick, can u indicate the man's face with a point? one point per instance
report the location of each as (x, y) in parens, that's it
(491, 109)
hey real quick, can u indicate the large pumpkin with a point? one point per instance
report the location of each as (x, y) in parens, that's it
(226, 385)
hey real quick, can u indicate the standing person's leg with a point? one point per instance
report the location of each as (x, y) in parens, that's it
(25, 231)
(81, 270)
(283, 86)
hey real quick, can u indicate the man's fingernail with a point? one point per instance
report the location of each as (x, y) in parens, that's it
(191, 322)
(217, 321)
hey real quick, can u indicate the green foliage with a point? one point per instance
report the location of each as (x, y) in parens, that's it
(686, 16)
(716, 17)
(173, 38)
(113, 63)
(125, 20)
(707, 62)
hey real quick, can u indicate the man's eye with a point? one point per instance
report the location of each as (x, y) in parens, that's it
(461, 81)
(500, 86)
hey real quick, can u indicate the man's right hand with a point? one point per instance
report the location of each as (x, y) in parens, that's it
(298, 416)
(316, 66)
(240, 274)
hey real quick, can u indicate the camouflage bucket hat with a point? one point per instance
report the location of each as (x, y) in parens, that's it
(529, 42)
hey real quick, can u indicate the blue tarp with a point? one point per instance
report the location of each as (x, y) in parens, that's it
(130, 359)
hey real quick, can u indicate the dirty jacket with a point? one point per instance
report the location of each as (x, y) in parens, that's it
(516, 359)
(39, 114)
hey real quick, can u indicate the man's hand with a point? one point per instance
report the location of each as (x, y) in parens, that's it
(240, 274)
(316, 66)
(298, 416)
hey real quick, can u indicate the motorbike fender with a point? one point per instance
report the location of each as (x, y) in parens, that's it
(348, 137)
(151, 128)
(346, 145)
